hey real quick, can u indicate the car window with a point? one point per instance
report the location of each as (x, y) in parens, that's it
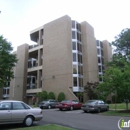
(75, 101)
(5, 106)
(26, 107)
(99, 102)
(18, 106)
(65, 101)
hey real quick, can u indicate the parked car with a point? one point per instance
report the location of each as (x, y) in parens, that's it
(50, 103)
(18, 112)
(69, 105)
(95, 105)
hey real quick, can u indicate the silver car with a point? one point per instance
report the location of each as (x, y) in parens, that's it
(95, 105)
(18, 112)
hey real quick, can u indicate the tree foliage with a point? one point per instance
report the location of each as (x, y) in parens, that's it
(42, 96)
(61, 96)
(51, 95)
(7, 61)
(89, 88)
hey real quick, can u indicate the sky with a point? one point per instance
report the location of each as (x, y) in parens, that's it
(19, 17)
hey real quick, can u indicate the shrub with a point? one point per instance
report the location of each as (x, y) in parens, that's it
(41, 96)
(61, 96)
(51, 95)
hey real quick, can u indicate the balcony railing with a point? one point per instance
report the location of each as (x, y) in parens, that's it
(5, 95)
(33, 46)
(31, 86)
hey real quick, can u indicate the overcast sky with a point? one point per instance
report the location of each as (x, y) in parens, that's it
(19, 17)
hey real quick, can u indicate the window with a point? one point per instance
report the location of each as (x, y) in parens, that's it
(74, 45)
(74, 69)
(18, 106)
(79, 46)
(99, 60)
(5, 106)
(33, 80)
(102, 52)
(78, 36)
(73, 35)
(75, 81)
(73, 24)
(98, 50)
(102, 60)
(80, 82)
(97, 43)
(78, 26)
(99, 68)
(101, 44)
(79, 58)
(80, 70)
(74, 57)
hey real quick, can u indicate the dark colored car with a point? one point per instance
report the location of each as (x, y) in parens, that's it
(50, 103)
(69, 105)
(95, 105)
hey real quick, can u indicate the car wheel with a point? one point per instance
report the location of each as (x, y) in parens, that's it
(107, 109)
(99, 110)
(71, 108)
(49, 107)
(60, 109)
(84, 111)
(28, 121)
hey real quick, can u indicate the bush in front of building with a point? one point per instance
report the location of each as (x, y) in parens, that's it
(61, 96)
(51, 95)
(42, 96)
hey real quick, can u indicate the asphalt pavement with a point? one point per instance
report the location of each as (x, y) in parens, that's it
(76, 119)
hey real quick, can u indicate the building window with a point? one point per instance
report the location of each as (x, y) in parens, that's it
(99, 69)
(102, 60)
(79, 58)
(74, 45)
(74, 57)
(79, 36)
(80, 70)
(73, 24)
(100, 78)
(79, 46)
(98, 50)
(75, 81)
(80, 82)
(74, 69)
(73, 35)
(101, 44)
(102, 52)
(99, 60)
(78, 26)
(97, 43)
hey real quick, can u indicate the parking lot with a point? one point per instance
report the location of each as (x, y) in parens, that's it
(75, 119)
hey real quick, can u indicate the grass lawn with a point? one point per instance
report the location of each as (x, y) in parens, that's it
(46, 127)
(119, 106)
(116, 113)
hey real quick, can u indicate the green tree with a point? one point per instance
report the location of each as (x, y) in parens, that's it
(116, 81)
(51, 95)
(42, 96)
(89, 89)
(122, 42)
(7, 61)
(61, 96)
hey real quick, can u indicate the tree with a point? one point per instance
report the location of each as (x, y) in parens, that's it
(89, 88)
(42, 96)
(80, 96)
(116, 81)
(7, 61)
(51, 95)
(122, 42)
(61, 96)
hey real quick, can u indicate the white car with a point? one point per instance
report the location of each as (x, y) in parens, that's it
(18, 112)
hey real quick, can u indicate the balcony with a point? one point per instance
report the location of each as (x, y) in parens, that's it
(6, 92)
(5, 95)
(33, 46)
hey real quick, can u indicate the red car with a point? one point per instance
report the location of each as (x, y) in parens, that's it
(69, 105)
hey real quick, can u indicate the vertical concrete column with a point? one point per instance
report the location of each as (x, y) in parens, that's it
(40, 37)
(38, 78)
(39, 58)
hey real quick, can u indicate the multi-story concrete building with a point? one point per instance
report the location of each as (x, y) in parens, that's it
(63, 59)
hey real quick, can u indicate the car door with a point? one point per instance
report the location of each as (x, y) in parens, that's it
(55, 103)
(5, 112)
(100, 104)
(19, 111)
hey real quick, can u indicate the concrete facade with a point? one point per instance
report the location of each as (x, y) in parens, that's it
(63, 59)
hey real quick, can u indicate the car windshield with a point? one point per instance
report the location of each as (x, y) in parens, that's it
(65, 101)
(91, 101)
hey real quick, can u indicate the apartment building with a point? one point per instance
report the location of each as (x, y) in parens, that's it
(64, 57)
